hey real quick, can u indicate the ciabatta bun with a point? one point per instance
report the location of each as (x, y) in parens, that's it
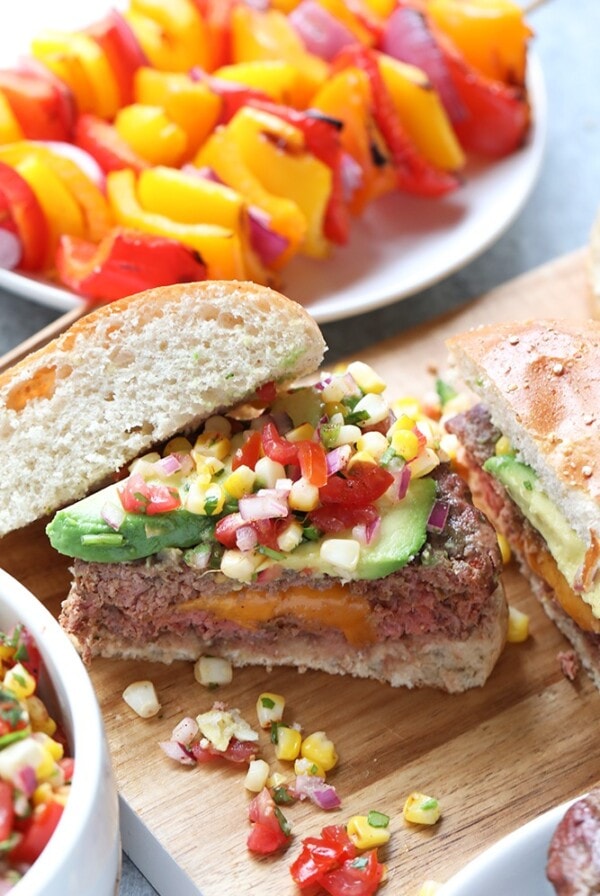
(133, 373)
(540, 381)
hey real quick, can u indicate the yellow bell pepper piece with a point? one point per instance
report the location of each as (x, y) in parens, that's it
(268, 35)
(60, 209)
(422, 114)
(295, 175)
(172, 34)
(227, 158)
(279, 80)
(10, 129)
(90, 75)
(151, 134)
(219, 247)
(188, 198)
(340, 11)
(92, 203)
(491, 34)
(347, 96)
(381, 8)
(189, 104)
(285, 6)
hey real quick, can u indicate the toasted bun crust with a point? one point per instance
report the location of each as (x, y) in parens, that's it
(540, 380)
(133, 373)
(413, 661)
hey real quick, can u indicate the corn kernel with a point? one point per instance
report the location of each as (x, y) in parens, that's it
(404, 421)
(374, 442)
(430, 888)
(269, 709)
(305, 431)
(52, 747)
(240, 482)
(449, 445)
(38, 716)
(268, 472)
(409, 406)
(213, 670)
(178, 445)
(303, 495)
(42, 794)
(375, 406)
(365, 377)
(348, 434)
(257, 775)
(276, 779)
(343, 553)
(364, 835)
(213, 444)
(304, 766)
(421, 809)
(320, 749)
(504, 548)
(405, 443)
(239, 565)
(19, 681)
(141, 697)
(288, 743)
(290, 538)
(503, 446)
(47, 767)
(361, 457)
(218, 423)
(422, 465)
(145, 465)
(337, 389)
(518, 626)
(195, 498)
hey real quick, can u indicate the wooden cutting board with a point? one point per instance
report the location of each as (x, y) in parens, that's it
(494, 757)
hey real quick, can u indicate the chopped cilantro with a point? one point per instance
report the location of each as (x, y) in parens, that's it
(388, 455)
(445, 391)
(267, 702)
(211, 504)
(428, 804)
(527, 485)
(269, 552)
(282, 796)
(311, 533)
(283, 822)
(359, 862)
(378, 819)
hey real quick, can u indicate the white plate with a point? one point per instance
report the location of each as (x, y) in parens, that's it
(515, 866)
(400, 246)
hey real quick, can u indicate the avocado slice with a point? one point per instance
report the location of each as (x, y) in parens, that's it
(80, 531)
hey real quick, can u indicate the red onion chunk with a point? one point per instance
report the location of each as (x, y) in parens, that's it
(84, 161)
(408, 38)
(25, 779)
(11, 249)
(168, 465)
(246, 538)
(321, 33)
(437, 517)
(113, 515)
(174, 750)
(337, 459)
(204, 172)
(317, 791)
(185, 731)
(267, 244)
(264, 506)
(403, 480)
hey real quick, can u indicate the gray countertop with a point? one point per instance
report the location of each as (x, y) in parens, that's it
(556, 219)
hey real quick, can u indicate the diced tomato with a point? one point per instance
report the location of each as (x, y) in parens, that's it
(36, 834)
(104, 143)
(331, 862)
(121, 48)
(227, 527)
(278, 448)
(67, 766)
(270, 830)
(339, 517)
(27, 653)
(249, 452)
(360, 876)
(125, 262)
(266, 393)
(238, 751)
(313, 462)
(361, 485)
(139, 496)
(7, 811)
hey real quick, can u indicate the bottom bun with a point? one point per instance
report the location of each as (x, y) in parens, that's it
(413, 661)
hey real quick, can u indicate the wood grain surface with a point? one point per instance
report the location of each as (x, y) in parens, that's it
(495, 757)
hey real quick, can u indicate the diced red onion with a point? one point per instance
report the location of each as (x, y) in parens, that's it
(437, 517)
(113, 515)
(25, 779)
(317, 791)
(337, 459)
(174, 750)
(11, 249)
(169, 464)
(84, 161)
(269, 574)
(407, 37)
(185, 731)
(366, 532)
(204, 172)
(199, 557)
(282, 421)
(402, 478)
(265, 506)
(246, 538)
(321, 33)
(267, 244)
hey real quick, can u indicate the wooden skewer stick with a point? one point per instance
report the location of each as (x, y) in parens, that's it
(532, 5)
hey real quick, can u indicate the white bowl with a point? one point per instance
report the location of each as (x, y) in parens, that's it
(84, 853)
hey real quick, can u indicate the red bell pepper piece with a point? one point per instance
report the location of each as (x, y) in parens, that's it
(26, 215)
(104, 143)
(42, 109)
(413, 172)
(125, 262)
(122, 49)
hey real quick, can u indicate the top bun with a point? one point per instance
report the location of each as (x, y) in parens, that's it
(540, 380)
(132, 374)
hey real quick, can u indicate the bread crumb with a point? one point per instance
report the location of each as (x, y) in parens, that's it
(558, 369)
(587, 471)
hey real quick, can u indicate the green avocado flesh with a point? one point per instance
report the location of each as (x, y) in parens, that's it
(80, 531)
